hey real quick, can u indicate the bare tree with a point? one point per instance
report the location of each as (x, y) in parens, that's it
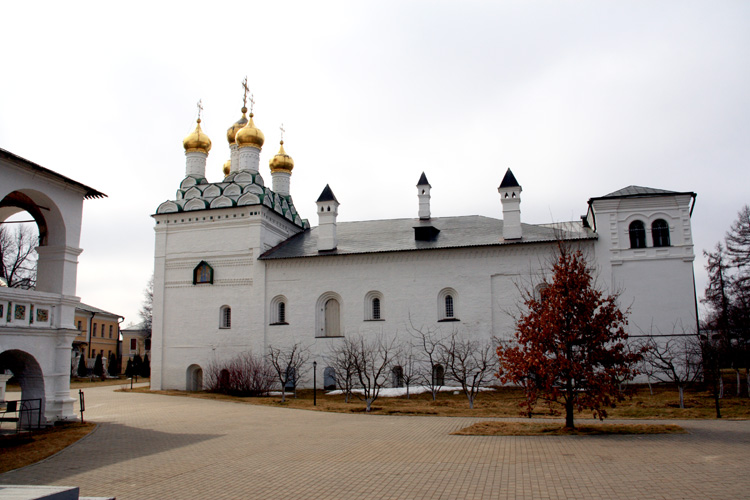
(147, 306)
(18, 255)
(470, 363)
(406, 359)
(372, 361)
(341, 359)
(677, 361)
(246, 374)
(430, 342)
(289, 364)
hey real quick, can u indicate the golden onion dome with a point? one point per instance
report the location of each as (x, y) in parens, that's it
(282, 162)
(232, 131)
(197, 141)
(227, 167)
(249, 135)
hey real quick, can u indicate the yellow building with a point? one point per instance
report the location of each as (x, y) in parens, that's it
(98, 333)
(135, 340)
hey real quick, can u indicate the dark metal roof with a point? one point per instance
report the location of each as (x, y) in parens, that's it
(90, 192)
(327, 195)
(509, 180)
(639, 191)
(96, 310)
(397, 235)
(423, 180)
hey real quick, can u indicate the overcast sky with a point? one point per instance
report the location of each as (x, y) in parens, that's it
(579, 99)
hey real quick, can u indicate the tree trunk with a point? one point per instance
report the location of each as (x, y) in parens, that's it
(471, 402)
(283, 393)
(368, 401)
(721, 385)
(737, 371)
(682, 396)
(569, 405)
(650, 388)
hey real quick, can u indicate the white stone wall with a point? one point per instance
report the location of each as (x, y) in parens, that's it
(186, 328)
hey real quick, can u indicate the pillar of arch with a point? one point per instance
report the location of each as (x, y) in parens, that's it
(37, 325)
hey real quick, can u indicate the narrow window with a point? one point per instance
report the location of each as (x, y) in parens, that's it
(225, 317)
(133, 344)
(148, 344)
(637, 234)
(93, 332)
(79, 325)
(110, 331)
(660, 233)
(448, 306)
(397, 376)
(438, 375)
(282, 312)
(376, 308)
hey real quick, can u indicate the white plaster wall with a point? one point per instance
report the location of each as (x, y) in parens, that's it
(187, 317)
(486, 282)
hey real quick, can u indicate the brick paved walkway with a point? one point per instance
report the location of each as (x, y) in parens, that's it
(150, 446)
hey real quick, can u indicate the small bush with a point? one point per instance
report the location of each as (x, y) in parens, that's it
(244, 375)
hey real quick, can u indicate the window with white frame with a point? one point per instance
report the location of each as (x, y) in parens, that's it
(447, 305)
(225, 317)
(278, 312)
(374, 306)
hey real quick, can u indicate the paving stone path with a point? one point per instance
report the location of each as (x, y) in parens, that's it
(150, 446)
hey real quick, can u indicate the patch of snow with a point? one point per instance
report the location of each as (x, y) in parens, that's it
(394, 392)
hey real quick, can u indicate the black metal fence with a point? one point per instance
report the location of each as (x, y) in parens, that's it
(26, 414)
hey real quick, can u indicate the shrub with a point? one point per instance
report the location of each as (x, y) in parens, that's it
(244, 375)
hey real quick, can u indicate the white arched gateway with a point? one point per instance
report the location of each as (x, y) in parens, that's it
(37, 324)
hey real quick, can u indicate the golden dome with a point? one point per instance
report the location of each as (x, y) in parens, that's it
(282, 162)
(197, 141)
(232, 131)
(227, 167)
(249, 135)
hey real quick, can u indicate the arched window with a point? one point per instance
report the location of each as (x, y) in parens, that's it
(328, 316)
(438, 375)
(278, 310)
(637, 233)
(374, 306)
(447, 305)
(660, 233)
(225, 317)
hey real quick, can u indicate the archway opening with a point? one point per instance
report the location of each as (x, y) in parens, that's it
(194, 380)
(27, 371)
(19, 239)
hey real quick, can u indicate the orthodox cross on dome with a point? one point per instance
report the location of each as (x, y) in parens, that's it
(246, 89)
(200, 108)
(282, 132)
(252, 103)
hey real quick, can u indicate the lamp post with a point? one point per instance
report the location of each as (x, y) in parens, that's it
(315, 383)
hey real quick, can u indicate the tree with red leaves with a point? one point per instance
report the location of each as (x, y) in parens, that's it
(570, 345)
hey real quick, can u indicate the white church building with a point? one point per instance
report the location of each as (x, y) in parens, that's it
(238, 269)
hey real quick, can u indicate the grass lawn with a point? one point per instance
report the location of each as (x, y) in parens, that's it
(20, 450)
(503, 402)
(555, 429)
